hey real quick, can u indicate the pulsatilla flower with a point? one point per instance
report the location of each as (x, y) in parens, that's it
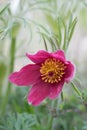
(46, 75)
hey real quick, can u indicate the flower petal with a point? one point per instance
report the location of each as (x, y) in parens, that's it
(28, 75)
(59, 55)
(39, 57)
(55, 90)
(38, 93)
(70, 71)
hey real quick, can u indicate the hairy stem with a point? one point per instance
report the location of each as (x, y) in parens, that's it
(11, 66)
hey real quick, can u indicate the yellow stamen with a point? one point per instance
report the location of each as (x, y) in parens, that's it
(52, 70)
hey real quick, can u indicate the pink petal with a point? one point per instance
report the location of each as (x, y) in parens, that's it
(38, 93)
(59, 55)
(70, 71)
(55, 90)
(39, 57)
(28, 75)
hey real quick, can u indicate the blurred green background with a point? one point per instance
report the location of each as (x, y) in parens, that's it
(22, 23)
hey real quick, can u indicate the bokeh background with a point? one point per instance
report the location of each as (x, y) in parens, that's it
(21, 24)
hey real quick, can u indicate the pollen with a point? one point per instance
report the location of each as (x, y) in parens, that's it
(52, 70)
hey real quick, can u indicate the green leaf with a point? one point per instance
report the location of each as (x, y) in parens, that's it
(76, 89)
(50, 39)
(6, 7)
(39, 25)
(70, 21)
(55, 36)
(71, 29)
(65, 37)
(59, 30)
(45, 43)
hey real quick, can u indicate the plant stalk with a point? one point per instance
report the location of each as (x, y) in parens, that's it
(11, 66)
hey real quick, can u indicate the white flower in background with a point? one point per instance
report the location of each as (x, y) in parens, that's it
(14, 5)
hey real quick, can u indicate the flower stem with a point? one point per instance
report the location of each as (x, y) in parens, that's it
(50, 123)
(62, 96)
(11, 66)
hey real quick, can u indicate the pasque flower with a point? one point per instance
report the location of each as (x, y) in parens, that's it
(46, 75)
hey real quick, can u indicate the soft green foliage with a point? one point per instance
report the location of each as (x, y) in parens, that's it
(18, 121)
(65, 115)
(61, 38)
(56, 27)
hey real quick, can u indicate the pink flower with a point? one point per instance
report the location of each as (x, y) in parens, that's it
(47, 75)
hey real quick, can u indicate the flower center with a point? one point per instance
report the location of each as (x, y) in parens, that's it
(52, 70)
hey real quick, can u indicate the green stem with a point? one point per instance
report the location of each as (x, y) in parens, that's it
(50, 123)
(62, 96)
(11, 66)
